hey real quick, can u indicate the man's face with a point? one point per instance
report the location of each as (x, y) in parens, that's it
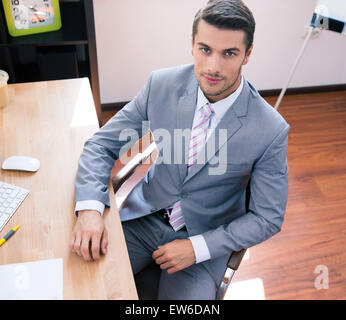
(218, 58)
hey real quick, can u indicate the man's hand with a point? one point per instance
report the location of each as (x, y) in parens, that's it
(175, 256)
(89, 235)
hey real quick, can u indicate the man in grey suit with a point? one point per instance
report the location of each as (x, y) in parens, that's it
(188, 213)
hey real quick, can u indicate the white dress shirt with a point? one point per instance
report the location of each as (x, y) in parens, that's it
(199, 245)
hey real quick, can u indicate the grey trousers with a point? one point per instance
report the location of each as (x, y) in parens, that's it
(143, 236)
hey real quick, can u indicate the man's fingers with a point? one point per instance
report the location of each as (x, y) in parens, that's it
(159, 252)
(95, 245)
(89, 235)
(172, 270)
(175, 256)
(76, 244)
(104, 241)
(170, 267)
(166, 265)
(72, 241)
(89, 245)
(162, 259)
(85, 246)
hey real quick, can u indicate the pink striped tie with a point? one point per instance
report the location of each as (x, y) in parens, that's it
(197, 141)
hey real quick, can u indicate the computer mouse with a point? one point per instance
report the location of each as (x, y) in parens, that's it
(21, 163)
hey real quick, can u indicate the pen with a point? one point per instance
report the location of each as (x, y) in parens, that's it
(8, 235)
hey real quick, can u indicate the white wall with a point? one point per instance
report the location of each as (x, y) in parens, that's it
(135, 37)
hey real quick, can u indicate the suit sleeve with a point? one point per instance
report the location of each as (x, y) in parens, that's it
(105, 146)
(269, 189)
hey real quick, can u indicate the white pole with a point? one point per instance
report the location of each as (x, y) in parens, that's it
(307, 38)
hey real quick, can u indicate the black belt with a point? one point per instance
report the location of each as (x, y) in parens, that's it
(163, 213)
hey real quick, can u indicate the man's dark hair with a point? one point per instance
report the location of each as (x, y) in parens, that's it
(227, 14)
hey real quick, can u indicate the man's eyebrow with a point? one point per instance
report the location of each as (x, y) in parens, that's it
(202, 44)
(233, 49)
(230, 49)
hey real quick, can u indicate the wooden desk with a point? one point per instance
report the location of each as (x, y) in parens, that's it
(51, 121)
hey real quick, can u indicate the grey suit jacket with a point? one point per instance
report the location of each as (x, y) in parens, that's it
(253, 143)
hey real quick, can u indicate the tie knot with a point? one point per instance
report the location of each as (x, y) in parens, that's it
(207, 110)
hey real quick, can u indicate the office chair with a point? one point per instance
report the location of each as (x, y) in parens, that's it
(147, 281)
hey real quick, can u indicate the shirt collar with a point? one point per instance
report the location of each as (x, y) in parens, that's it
(220, 107)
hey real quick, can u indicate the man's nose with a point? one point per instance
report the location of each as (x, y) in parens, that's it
(214, 65)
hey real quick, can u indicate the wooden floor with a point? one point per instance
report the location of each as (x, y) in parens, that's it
(312, 243)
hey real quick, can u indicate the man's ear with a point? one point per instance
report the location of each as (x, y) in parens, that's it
(247, 55)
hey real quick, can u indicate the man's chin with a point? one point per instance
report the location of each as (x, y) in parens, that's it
(211, 93)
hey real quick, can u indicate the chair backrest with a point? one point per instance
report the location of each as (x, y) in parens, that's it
(119, 178)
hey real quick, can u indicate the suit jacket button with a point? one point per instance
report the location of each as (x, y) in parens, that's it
(184, 195)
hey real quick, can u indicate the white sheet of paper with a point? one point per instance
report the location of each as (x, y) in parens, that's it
(37, 280)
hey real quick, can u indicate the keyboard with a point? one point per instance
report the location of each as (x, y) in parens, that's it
(11, 198)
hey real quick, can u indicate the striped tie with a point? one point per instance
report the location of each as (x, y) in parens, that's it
(197, 141)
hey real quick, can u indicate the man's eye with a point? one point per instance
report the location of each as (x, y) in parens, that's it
(230, 53)
(205, 50)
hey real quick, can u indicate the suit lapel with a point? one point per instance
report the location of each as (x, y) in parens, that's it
(230, 123)
(185, 114)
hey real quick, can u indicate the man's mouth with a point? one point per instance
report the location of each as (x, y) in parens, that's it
(212, 80)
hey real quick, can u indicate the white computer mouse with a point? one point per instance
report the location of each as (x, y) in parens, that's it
(21, 163)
